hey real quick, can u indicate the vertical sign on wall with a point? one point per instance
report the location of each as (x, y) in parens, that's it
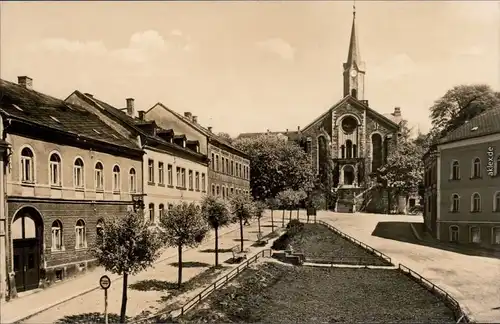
(490, 164)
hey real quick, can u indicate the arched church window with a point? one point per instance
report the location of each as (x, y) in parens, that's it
(354, 93)
(342, 151)
(354, 151)
(348, 145)
(349, 124)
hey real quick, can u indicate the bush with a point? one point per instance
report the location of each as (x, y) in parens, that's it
(281, 243)
(294, 227)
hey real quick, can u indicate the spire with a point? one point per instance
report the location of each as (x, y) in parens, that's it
(353, 55)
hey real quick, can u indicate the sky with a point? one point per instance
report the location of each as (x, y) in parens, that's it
(248, 66)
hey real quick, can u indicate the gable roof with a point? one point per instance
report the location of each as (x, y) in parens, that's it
(484, 124)
(136, 123)
(199, 128)
(292, 136)
(359, 103)
(35, 108)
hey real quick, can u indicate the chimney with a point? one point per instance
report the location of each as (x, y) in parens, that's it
(25, 81)
(195, 119)
(287, 130)
(188, 115)
(141, 114)
(209, 128)
(397, 112)
(130, 107)
(298, 128)
(89, 95)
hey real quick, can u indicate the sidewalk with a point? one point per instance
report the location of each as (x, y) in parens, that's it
(83, 294)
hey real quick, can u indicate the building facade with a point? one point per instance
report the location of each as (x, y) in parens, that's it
(466, 208)
(173, 169)
(229, 168)
(352, 139)
(66, 172)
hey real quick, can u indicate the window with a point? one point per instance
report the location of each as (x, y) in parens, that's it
(454, 233)
(151, 171)
(495, 235)
(99, 176)
(27, 166)
(213, 190)
(496, 202)
(116, 179)
(197, 181)
(213, 161)
(78, 173)
(151, 213)
(99, 228)
(227, 166)
(183, 177)
(476, 202)
(203, 185)
(57, 235)
(161, 173)
(223, 165)
(455, 203)
(223, 192)
(455, 170)
(497, 166)
(132, 181)
(218, 191)
(476, 168)
(475, 234)
(178, 171)
(232, 168)
(232, 191)
(190, 179)
(81, 239)
(55, 169)
(239, 171)
(217, 163)
(161, 210)
(170, 175)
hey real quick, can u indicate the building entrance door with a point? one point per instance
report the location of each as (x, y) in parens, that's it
(26, 264)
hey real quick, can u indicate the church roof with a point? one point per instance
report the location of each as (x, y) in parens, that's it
(487, 123)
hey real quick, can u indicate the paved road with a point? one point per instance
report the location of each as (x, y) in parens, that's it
(474, 281)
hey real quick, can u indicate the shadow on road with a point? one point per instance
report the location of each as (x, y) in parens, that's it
(153, 285)
(213, 251)
(239, 240)
(88, 318)
(401, 231)
(191, 264)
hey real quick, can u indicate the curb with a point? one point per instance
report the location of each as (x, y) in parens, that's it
(40, 310)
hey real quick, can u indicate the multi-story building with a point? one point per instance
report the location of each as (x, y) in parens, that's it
(463, 179)
(4, 148)
(174, 169)
(66, 171)
(229, 170)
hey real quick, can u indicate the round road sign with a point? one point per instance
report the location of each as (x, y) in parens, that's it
(105, 282)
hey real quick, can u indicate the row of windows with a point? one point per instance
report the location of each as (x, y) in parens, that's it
(232, 168)
(226, 192)
(193, 177)
(55, 172)
(475, 169)
(474, 234)
(475, 202)
(80, 234)
(161, 210)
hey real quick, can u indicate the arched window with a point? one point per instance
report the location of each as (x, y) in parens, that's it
(496, 202)
(213, 190)
(161, 210)
(116, 179)
(455, 203)
(476, 168)
(454, 233)
(217, 188)
(27, 166)
(342, 151)
(348, 148)
(475, 202)
(78, 173)
(354, 93)
(99, 176)
(475, 234)
(151, 213)
(455, 170)
(57, 242)
(80, 235)
(99, 228)
(132, 180)
(377, 152)
(348, 175)
(495, 235)
(354, 151)
(55, 169)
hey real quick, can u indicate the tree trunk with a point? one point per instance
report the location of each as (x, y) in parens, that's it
(241, 233)
(216, 246)
(283, 220)
(272, 221)
(298, 216)
(258, 222)
(290, 216)
(179, 266)
(123, 311)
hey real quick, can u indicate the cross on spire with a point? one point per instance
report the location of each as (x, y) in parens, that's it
(354, 8)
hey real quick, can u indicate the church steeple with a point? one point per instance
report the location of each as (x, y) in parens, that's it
(354, 68)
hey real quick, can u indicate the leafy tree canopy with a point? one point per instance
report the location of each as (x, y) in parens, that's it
(226, 137)
(127, 245)
(215, 211)
(184, 225)
(241, 207)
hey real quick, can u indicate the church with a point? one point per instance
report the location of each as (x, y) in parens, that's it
(350, 141)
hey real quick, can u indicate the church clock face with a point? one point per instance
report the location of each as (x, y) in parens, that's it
(354, 73)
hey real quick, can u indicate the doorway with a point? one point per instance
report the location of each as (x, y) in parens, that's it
(27, 233)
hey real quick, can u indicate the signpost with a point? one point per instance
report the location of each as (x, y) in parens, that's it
(105, 283)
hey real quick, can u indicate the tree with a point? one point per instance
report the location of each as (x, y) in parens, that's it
(183, 226)
(273, 204)
(259, 207)
(242, 209)
(461, 103)
(217, 215)
(287, 198)
(226, 137)
(325, 180)
(126, 247)
(299, 197)
(277, 164)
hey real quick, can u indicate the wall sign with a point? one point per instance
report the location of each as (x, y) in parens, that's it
(490, 164)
